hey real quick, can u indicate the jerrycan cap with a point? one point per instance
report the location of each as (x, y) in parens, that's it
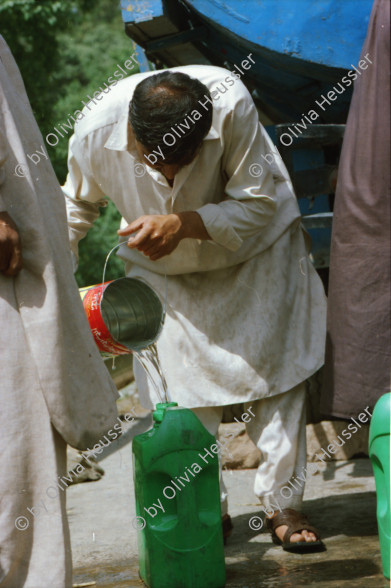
(160, 411)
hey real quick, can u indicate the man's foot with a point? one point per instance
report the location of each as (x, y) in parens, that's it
(293, 532)
(303, 535)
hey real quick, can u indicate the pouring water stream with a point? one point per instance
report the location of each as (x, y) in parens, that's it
(149, 357)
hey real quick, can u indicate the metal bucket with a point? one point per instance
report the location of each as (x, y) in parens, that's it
(125, 315)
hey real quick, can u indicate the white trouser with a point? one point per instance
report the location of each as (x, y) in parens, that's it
(278, 430)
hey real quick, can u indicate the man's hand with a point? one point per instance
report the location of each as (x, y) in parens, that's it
(10, 246)
(158, 235)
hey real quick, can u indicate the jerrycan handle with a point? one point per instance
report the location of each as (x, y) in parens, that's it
(160, 411)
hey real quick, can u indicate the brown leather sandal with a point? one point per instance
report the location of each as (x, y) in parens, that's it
(226, 521)
(295, 522)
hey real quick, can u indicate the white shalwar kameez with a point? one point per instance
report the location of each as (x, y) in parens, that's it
(54, 387)
(246, 309)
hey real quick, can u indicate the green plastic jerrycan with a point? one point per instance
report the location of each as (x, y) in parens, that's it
(379, 452)
(176, 475)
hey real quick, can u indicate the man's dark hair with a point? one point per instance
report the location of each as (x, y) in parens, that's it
(167, 99)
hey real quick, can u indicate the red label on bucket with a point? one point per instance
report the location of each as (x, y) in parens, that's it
(91, 297)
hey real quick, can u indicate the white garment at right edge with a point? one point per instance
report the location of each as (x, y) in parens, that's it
(278, 430)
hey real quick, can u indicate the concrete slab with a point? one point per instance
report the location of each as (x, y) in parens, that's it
(340, 500)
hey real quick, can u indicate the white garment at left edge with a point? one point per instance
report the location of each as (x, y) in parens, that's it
(78, 390)
(54, 386)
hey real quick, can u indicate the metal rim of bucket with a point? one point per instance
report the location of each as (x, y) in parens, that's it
(154, 300)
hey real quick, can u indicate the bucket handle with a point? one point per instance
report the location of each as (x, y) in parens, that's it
(104, 274)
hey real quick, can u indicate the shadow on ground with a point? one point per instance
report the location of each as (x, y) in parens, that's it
(351, 560)
(339, 500)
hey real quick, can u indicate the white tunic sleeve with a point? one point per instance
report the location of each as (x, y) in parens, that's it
(250, 201)
(83, 197)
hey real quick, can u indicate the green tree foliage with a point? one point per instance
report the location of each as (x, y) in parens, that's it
(89, 53)
(95, 247)
(31, 29)
(65, 51)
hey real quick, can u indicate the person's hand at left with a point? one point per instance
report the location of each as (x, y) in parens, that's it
(10, 246)
(159, 234)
